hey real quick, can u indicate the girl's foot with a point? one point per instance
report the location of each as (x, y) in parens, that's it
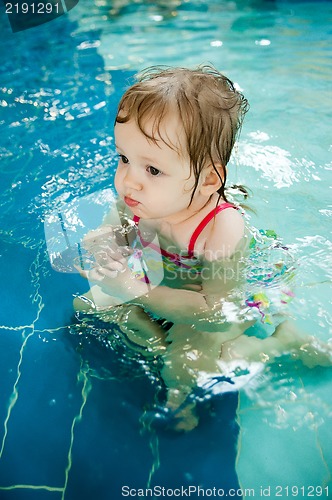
(287, 339)
(186, 419)
(182, 409)
(166, 419)
(310, 350)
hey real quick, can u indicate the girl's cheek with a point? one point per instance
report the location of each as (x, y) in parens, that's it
(117, 179)
(189, 186)
(117, 176)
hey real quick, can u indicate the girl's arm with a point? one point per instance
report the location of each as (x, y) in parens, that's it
(204, 312)
(207, 308)
(214, 304)
(176, 305)
(220, 275)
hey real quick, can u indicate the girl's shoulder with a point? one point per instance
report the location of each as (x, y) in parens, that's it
(227, 235)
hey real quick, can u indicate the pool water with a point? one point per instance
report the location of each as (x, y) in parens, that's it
(71, 407)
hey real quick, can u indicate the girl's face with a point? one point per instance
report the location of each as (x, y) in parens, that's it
(152, 178)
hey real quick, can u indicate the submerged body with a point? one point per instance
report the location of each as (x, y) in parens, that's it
(174, 134)
(212, 333)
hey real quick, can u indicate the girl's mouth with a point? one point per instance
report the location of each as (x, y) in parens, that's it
(130, 202)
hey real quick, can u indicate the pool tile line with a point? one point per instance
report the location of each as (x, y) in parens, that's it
(154, 447)
(36, 298)
(50, 333)
(87, 386)
(82, 377)
(320, 450)
(240, 435)
(306, 399)
(318, 443)
(153, 443)
(14, 396)
(34, 272)
(319, 446)
(31, 487)
(15, 328)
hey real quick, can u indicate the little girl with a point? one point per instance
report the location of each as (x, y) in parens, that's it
(174, 133)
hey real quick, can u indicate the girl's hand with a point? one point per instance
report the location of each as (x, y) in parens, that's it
(102, 244)
(117, 280)
(102, 250)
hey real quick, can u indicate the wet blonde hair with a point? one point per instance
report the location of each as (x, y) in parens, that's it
(208, 106)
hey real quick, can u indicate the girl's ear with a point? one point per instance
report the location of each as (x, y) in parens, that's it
(211, 181)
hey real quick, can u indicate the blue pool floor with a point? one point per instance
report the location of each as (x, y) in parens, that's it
(71, 431)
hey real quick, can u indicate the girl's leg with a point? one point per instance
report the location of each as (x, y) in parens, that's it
(142, 330)
(132, 320)
(287, 339)
(94, 298)
(190, 354)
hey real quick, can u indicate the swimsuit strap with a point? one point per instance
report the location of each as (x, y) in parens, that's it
(199, 228)
(204, 223)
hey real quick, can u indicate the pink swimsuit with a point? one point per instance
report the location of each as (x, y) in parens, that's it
(189, 261)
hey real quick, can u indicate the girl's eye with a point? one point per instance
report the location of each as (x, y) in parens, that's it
(124, 159)
(153, 171)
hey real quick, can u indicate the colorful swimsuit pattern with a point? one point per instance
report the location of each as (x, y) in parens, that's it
(270, 276)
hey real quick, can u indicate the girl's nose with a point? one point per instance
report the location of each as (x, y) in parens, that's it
(131, 180)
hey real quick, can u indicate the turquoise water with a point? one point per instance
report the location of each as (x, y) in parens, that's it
(70, 407)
